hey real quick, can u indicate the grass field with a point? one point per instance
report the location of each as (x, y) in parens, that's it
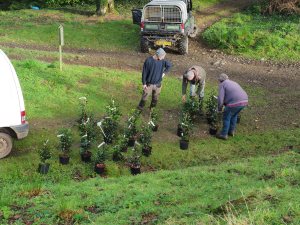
(250, 179)
(253, 191)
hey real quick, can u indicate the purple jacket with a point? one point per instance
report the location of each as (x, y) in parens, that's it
(231, 94)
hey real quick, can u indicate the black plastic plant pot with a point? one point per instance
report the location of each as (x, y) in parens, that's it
(64, 159)
(155, 128)
(146, 151)
(43, 168)
(184, 144)
(100, 168)
(131, 142)
(135, 170)
(86, 157)
(179, 131)
(213, 131)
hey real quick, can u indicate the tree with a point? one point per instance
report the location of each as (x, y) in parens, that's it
(283, 6)
(104, 6)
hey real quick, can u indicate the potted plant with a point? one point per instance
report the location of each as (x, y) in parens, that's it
(85, 145)
(131, 128)
(186, 126)
(117, 153)
(154, 119)
(45, 154)
(65, 142)
(83, 112)
(191, 106)
(135, 162)
(109, 125)
(145, 138)
(100, 159)
(212, 113)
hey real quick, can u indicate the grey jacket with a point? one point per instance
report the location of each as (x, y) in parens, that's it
(231, 94)
(200, 73)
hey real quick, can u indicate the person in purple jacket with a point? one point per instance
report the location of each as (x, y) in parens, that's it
(234, 98)
(154, 70)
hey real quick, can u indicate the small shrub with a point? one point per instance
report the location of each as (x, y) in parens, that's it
(45, 152)
(65, 140)
(145, 137)
(212, 110)
(101, 154)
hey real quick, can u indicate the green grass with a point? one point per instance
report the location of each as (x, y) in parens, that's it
(232, 170)
(253, 35)
(41, 28)
(262, 190)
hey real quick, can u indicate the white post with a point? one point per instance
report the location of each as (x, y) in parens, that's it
(61, 43)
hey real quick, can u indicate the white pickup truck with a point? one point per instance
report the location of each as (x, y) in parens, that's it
(13, 122)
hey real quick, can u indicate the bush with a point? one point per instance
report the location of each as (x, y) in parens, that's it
(255, 35)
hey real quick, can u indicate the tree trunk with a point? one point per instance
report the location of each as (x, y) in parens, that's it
(98, 8)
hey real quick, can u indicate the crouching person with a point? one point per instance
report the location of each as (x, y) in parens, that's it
(235, 99)
(154, 69)
(195, 76)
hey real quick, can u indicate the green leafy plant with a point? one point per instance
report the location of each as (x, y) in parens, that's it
(117, 153)
(110, 124)
(131, 125)
(134, 159)
(65, 141)
(212, 110)
(191, 106)
(113, 111)
(154, 117)
(145, 136)
(186, 125)
(101, 154)
(45, 152)
(85, 144)
(83, 111)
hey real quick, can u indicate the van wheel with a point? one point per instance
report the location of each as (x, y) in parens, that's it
(5, 145)
(183, 45)
(144, 45)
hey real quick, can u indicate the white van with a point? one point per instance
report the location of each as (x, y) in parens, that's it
(13, 122)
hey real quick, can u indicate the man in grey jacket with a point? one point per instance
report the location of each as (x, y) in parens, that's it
(234, 98)
(196, 76)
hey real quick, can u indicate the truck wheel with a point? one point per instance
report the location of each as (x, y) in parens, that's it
(144, 45)
(5, 145)
(183, 45)
(194, 32)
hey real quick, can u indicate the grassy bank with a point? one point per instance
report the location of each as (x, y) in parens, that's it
(262, 190)
(253, 35)
(252, 178)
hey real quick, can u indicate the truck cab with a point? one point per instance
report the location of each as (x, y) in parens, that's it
(13, 122)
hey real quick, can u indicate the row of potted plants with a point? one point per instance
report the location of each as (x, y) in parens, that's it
(110, 132)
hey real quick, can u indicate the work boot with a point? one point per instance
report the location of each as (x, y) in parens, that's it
(223, 137)
(231, 133)
(141, 105)
(153, 103)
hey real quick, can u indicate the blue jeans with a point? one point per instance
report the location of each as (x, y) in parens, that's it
(230, 116)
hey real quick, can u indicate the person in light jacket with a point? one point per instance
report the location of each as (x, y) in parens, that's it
(235, 99)
(195, 76)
